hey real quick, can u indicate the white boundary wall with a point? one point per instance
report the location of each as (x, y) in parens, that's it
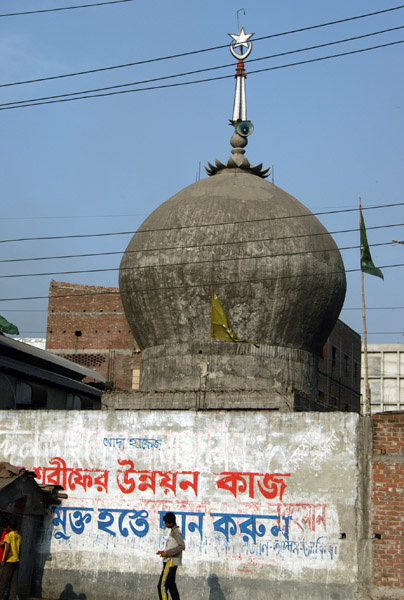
(258, 495)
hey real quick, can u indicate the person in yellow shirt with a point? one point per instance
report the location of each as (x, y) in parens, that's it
(11, 559)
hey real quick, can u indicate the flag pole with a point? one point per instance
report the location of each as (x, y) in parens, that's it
(365, 334)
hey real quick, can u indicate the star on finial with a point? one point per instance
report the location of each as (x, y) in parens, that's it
(241, 39)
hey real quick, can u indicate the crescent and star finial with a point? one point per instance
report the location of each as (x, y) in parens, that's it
(241, 39)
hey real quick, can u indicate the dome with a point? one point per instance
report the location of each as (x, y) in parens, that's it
(274, 267)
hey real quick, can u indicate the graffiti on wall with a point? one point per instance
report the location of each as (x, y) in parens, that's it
(241, 501)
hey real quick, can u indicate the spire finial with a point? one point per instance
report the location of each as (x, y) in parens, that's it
(240, 40)
(242, 127)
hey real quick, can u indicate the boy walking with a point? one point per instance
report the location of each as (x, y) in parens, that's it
(172, 558)
(11, 559)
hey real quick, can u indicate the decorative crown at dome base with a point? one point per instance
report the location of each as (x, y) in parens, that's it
(238, 160)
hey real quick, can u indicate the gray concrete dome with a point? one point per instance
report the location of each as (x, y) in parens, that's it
(276, 270)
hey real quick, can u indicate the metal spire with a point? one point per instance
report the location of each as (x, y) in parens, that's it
(242, 127)
(240, 40)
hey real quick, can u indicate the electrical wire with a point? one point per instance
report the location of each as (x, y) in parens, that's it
(197, 81)
(47, 10)
(110, 216)
(215, 244)
(44, 310)
(203, 225)
(207, 69)
(208, 284)
(186, 263)
(369, 333)
(180, 55)
(120, 252)
(373, 308)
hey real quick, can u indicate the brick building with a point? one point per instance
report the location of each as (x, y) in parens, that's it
(388, 505)
(87, 325)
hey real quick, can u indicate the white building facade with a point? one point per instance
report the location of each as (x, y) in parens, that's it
(386, 376)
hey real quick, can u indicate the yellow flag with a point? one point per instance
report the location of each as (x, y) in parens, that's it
(220, 328)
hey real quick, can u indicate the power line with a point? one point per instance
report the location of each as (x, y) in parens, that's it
(44, 310)
(182, 54)
(111, 216)
(23, 331)
(386, 333)
(41, 310)
(212, 244)
(197, 81)
(204, 70)
(45, 217)
(185, 263)
(208, 285)
(47, 10)
(119, 252)
(375, 308)
(203, 225)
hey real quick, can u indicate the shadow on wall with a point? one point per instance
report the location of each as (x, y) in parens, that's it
(216, 592)
(69, 594)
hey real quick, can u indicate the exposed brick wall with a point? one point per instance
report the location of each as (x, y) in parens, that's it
(87, 325)
(388, 501)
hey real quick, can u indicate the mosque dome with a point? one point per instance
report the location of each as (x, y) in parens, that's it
(275, 269)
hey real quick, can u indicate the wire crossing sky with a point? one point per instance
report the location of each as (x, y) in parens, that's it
(324, 93)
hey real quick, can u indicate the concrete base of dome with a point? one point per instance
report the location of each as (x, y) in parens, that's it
(228, 366)
(210, 400)
(224, 376)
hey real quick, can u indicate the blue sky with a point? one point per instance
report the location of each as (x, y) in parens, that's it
(332, 129)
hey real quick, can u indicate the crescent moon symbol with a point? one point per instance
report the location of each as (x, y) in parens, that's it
(241, 56)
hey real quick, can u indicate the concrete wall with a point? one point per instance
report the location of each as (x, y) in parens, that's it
(270, 502)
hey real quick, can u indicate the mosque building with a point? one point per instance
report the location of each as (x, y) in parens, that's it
(275, 271)
(231, 291)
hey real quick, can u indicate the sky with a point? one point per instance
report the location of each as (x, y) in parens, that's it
(331, 129)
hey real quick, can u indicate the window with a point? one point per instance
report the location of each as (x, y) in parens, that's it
(135, 378)
(334, 356)
(23, 393)
(30, 396)
(73, 402)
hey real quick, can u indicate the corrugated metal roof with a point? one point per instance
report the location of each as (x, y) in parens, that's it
(36, 355)
(9, 474)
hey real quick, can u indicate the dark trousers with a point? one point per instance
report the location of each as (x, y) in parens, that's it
(9, 574)
(167, 582)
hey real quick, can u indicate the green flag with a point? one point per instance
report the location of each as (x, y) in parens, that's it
(367, 265)
(6, 327)
(220, 328)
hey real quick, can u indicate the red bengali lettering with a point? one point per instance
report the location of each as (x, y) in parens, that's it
(128, 484)
(69, 478)
(148, 481)
(184, 484)
(271, 486)
(169, 482)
